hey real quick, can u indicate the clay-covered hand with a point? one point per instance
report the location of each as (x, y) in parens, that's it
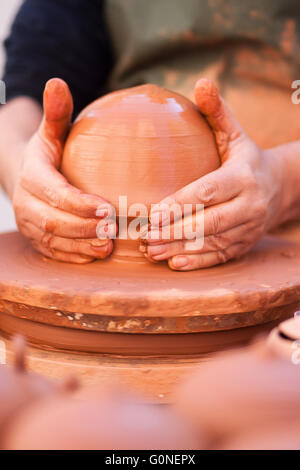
(242, 198)
(59, 219)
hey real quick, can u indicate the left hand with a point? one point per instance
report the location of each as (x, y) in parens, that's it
(242, 198)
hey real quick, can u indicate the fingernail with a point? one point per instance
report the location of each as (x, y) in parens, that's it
(104, 211)
(180, 261)
(106, 229)
(102, 249)
(98, 243)
(156, 250)
(160, 217)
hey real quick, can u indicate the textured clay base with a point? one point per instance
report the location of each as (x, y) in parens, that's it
(81, 318)
(153, 378)
(125, 297)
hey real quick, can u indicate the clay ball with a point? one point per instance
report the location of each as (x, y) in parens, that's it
(144, 143)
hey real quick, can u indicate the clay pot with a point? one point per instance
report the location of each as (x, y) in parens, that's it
(241, 391)
(18, 389)
(144, 143)
(102, 422)
(284, 341)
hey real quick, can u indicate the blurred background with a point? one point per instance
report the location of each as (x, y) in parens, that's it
(8, 10)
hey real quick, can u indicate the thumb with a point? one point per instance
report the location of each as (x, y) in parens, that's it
(225, 127)
(58, 110)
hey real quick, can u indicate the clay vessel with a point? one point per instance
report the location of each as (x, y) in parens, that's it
(20, 388)
(144, 143)
(241, 391)
(284, 340)
(102, 422)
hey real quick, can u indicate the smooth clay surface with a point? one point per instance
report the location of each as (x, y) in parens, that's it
(144, 143)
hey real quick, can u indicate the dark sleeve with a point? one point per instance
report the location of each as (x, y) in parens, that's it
(58, 38)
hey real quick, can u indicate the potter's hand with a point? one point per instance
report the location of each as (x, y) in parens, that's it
(59, 219)
(241, 198)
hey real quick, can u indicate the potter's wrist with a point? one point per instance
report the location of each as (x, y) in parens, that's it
(13, 168)
(278, 189)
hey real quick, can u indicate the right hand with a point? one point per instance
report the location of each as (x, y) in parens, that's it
(58, 219)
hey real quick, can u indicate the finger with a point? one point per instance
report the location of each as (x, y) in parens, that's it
(58, 109)
(217, 187)
(211, 243)
(42, 180)
(217, 219)
(54, 221)
(218, 115)
(206, 260)
(61, 255)
(89, 247)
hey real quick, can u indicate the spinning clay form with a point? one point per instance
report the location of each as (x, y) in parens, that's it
(144, 143)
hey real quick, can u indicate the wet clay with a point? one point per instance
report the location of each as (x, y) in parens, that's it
(144, 143)
(152, 298)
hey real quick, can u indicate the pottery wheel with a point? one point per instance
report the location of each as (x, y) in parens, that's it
(146, 299)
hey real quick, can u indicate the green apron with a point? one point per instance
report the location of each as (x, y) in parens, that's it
(233, 42)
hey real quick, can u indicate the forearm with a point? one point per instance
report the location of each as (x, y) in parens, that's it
(286, 169)
(19, 119)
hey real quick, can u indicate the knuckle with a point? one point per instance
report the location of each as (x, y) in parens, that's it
(223, 256)
(52, 196)
(215, 222)
(87, 229)
(248, 179)
(24, 229)
(24, 180)
(47, 224)
(206, 192)
(260, 209)
(222, 138)
(17, 206)
(46, 240)
(61, 195)
(17, 201)
(218, 242)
